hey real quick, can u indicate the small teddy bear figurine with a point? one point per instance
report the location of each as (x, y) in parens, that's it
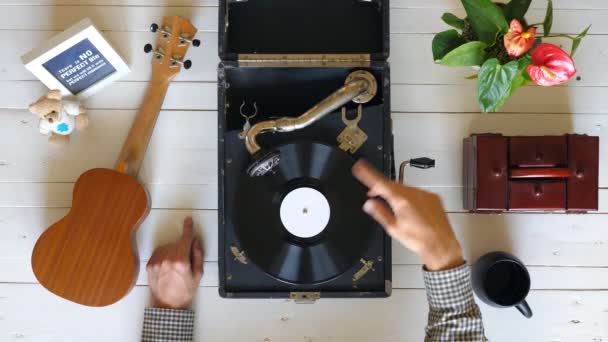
(58, 117)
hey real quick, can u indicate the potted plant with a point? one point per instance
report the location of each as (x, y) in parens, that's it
(508, 52)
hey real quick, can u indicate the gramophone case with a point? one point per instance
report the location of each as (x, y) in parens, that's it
(283, 56)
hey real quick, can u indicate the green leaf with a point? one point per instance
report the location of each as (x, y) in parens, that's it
(523, 62)
(577, 41)
(518, 82)
(486, 19)
(526, 76)
(453, 21)
(445, 42)
(472, 77)
(494, 83)
(469, 54)
(516, 9)
(548, 23)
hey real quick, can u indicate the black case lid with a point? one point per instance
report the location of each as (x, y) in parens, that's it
(304, 27)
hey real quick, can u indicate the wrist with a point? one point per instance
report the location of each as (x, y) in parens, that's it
(443, 259)
(156, 303)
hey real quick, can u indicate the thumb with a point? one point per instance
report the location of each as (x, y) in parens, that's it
(197, 260)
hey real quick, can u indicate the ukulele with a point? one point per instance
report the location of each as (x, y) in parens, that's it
(89, 256)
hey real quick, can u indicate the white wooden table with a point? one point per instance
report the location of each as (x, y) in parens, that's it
(434, 108)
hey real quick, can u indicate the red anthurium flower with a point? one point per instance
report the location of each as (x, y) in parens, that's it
(518, 42)
(550, 65)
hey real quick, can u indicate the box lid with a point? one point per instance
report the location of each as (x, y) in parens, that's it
(289, 30)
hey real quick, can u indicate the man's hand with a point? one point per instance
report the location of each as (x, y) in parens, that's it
(175, 270)
(413, 217)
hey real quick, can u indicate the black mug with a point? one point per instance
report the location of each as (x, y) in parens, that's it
(502, 280)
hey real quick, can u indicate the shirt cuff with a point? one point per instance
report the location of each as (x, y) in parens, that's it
(168, 325)
(449, 289)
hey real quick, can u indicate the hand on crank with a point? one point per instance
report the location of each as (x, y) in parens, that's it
(413, 217)
(175, 270)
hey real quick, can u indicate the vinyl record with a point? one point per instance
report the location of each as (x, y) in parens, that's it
(303, 224)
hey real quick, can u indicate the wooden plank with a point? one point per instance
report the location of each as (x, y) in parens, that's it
(538, 239)
(22, 227)
(146, 3)
(20, 272)
(445, 4)
(106, 18)
(536, 4)
(121, 95)
(406, 98)
(178, 135)
(409, 66)
(170, 158)
(175, 196)
(139, 18)
(463, 98)
(404, 276)
(59, 195)
(581, 317)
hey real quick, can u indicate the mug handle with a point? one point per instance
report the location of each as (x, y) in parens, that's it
(524, 308)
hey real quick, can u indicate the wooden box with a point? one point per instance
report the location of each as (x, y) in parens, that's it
(547, 173)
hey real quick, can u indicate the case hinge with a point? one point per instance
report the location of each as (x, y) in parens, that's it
(367, 266)
(311, 60)
(238, 255)
(305, 297)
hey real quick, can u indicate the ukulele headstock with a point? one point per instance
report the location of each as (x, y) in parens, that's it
(174, 37)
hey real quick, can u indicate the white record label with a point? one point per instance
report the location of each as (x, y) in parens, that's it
(305, 212)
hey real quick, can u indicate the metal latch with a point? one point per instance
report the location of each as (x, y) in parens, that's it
(367, 266)
(305, 297)
(238, 255)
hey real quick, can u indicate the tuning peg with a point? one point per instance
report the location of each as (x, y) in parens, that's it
(147, 48)
(183, 40)
(155, 28)
(186, 64)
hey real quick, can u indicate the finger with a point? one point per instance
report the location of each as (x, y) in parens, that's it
(377, 183)
(381, 213)
(185, 243)
(197, 260)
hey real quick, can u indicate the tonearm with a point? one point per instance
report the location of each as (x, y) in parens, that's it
(360, 87)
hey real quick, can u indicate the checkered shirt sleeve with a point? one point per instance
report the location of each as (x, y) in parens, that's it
(453, 314)
(165, 325)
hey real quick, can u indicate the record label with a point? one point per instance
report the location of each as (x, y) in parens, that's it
(305, 212)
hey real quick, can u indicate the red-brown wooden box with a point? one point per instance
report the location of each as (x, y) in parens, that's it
(545, 173)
